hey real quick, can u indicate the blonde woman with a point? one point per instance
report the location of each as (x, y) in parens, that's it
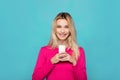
(62, 58)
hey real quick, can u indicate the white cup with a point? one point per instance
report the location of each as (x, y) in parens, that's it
(61, 48)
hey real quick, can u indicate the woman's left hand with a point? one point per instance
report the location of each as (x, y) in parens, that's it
(68, 58)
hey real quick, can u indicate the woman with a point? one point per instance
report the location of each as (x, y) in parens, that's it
(68, 65)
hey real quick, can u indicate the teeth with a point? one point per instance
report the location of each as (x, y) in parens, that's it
(62, 34)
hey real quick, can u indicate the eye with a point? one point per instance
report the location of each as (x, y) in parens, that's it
(58, 26)
(66, 26)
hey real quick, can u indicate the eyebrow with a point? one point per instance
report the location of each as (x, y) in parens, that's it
(64, 26)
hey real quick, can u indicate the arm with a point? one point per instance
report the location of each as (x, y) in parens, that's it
(43, 66)
(80, 68)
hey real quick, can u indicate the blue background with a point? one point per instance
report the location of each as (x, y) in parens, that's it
(25, 26)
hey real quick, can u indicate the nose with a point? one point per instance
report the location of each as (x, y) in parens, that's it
(62, 30)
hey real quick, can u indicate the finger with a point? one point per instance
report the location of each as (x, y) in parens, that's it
(64, 59)
(62, 55)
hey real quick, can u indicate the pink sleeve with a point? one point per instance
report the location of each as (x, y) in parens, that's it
(80, 68)
(43, 66)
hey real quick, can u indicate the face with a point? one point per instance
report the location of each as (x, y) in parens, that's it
(62, 29)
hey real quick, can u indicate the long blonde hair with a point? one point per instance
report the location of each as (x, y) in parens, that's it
(71, 40)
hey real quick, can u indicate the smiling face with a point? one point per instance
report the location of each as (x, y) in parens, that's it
(62, 29)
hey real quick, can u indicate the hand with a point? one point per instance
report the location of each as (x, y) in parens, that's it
(57, 57)
(68, 58)
(63, 57)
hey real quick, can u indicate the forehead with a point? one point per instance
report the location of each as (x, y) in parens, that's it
(61, 22)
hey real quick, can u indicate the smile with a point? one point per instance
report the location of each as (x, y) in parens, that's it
(62, 34)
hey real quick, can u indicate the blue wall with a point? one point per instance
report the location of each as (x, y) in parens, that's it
(25, 26)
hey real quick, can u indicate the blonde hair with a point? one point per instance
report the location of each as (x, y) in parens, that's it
(71, 40)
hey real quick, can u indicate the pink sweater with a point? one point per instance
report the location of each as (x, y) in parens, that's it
(60, 71)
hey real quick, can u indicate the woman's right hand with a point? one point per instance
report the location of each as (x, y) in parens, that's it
(57, 57)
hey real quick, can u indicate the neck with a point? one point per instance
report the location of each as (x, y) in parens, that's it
(62, 43)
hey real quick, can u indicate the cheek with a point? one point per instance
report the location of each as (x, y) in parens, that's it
(57, 30)
(68, 31)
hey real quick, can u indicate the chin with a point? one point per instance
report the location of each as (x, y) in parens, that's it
(62, 38)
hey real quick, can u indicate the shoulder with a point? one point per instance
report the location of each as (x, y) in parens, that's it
(45, 48)
(46, 51)
(81, 52)
(81, 49)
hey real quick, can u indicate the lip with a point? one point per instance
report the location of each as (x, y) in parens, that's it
(62, 34)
